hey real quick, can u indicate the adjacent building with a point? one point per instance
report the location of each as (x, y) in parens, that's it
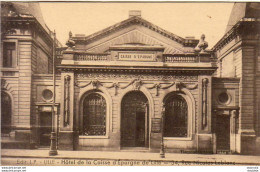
(26, 52)
(132, 85)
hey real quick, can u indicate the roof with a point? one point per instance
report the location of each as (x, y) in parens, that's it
(242, 13)
(243, 10)
(141, 21)
(24, 9)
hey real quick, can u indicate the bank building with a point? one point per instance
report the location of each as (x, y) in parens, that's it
(131, 86)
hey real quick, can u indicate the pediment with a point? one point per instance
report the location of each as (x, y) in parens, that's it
(139, 32)
(135, 37)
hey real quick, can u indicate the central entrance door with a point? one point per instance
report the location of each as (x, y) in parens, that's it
(134, 120)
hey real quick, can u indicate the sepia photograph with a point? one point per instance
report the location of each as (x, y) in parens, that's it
(130, 84)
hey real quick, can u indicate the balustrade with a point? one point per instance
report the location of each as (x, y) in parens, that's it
(180, 59)
(167, 58)
(91, 57)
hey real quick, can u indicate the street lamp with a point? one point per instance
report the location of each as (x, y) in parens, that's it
(53, 147)
(162, 153)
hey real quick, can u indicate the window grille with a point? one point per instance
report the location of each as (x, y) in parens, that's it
(176, 117)
(94, 115)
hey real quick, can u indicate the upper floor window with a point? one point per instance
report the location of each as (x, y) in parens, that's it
(176, 117)
(94, 115)
(9, 54)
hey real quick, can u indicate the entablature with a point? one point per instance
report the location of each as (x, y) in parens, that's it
(141, 69)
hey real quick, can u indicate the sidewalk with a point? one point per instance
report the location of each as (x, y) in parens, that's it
(132, 156)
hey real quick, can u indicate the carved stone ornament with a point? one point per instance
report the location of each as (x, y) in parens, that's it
(3, 84)
(180, 85)
(12, 14)
(159, 85)
(70, 43)
(96, 84)
(10, 31)
(82, 86)
(101, 76)
(137, 83)
(202, 45)
(67, 80)
(205, 82)
(115, 85)
(234, 113)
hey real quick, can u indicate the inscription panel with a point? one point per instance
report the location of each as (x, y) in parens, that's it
(127, 56)
(156, 125)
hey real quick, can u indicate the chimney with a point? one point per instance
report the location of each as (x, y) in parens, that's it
(133, 13)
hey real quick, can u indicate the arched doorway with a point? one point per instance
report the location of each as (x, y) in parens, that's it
(134, 120)
(6, 113)
(176, 116)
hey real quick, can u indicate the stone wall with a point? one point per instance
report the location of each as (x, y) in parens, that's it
(243, 51)
(112, 141)
(18, 80)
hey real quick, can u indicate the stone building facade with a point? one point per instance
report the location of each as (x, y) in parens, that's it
(26, 52)
(132, 85)
(238, 57)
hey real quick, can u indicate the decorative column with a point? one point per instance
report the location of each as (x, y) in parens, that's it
(204, 105)
(146, 123)
(66, 134)
(162, 152)
(67, 100)
(204, 102)
(205, 137)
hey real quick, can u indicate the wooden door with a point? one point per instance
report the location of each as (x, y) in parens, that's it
(140, 129)
(6, 113)
(134, 120)
(223, 133)
(45, 128)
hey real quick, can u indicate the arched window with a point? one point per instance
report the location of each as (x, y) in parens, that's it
(176, 117)
(6, 113)
(94, 115)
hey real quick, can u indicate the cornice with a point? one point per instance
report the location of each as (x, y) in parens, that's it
(229, 36)
(19, 21)
(131, 69)
(225, 80)
(235, 31)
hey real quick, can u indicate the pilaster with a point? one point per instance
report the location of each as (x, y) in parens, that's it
(204, 128)
(66, 134)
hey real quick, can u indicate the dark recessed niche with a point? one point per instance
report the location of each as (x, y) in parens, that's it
(223, 98)
(47, 94)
